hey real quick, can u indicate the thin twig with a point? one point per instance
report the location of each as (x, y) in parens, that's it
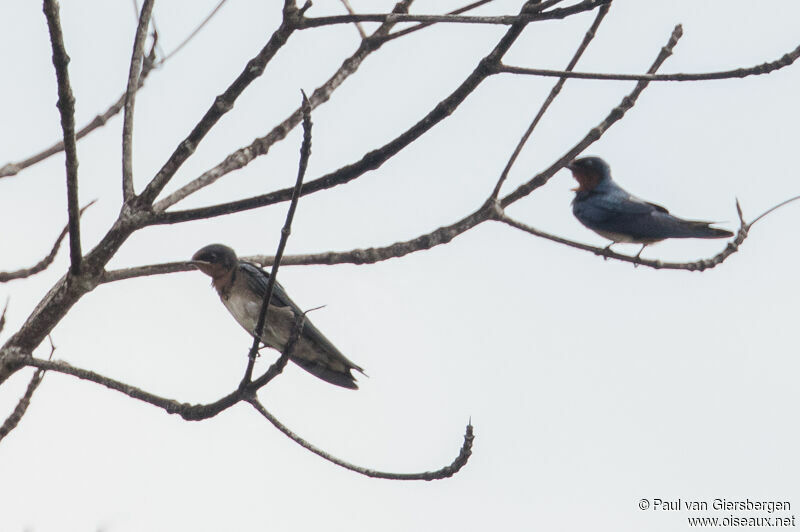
(505, 20)
(130, 99)
(3, 315)
(742, 72)
(445, 472)
(13, 420)
(260, 146)
(424, 25)
(66, 107)
(305, 153)
(194, 33)
(590, 33)
(357, 24)
(42, 264)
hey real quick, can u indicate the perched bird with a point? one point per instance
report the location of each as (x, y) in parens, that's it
(610, 211)
(242, 287)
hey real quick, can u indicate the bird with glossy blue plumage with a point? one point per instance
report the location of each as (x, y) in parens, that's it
(612, 212)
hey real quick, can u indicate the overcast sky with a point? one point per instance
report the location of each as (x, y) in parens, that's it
(591, 384)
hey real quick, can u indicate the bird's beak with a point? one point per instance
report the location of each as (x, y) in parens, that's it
(198, 263)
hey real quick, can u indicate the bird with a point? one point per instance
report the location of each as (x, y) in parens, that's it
(613, 213)
(242, 287)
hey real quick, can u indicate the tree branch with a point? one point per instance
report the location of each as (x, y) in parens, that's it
(424, 25)
(13, 420)
(742, 72)
(305, 153)
(358, 26)
(66, 107)
(445, 472)
(194, 32)
(531, 15)
(130, 99)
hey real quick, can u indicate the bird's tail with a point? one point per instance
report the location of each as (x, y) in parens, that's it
(704, 230)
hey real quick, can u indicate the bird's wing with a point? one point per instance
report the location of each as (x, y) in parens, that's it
(623, 214)
(258, 283)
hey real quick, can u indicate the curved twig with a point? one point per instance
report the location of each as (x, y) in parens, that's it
(445, 472)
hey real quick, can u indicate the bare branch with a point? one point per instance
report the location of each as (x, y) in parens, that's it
(66, 107)
(424, 25)
(590, 33)
(222, 104)
(130, 99)
(530, 15)
(743, 72)
(373, 159)
(3, 316)
(445, 472)
(358, 26)
(144, 271)
(13, 420)
(260, 146)
(194, 33)
(305, 153)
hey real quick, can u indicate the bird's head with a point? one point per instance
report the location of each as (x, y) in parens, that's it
(589, 172)
(215, 260)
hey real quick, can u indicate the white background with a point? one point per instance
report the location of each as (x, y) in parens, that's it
(591, 384)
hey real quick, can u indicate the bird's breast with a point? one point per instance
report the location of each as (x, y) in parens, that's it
(243, 309)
